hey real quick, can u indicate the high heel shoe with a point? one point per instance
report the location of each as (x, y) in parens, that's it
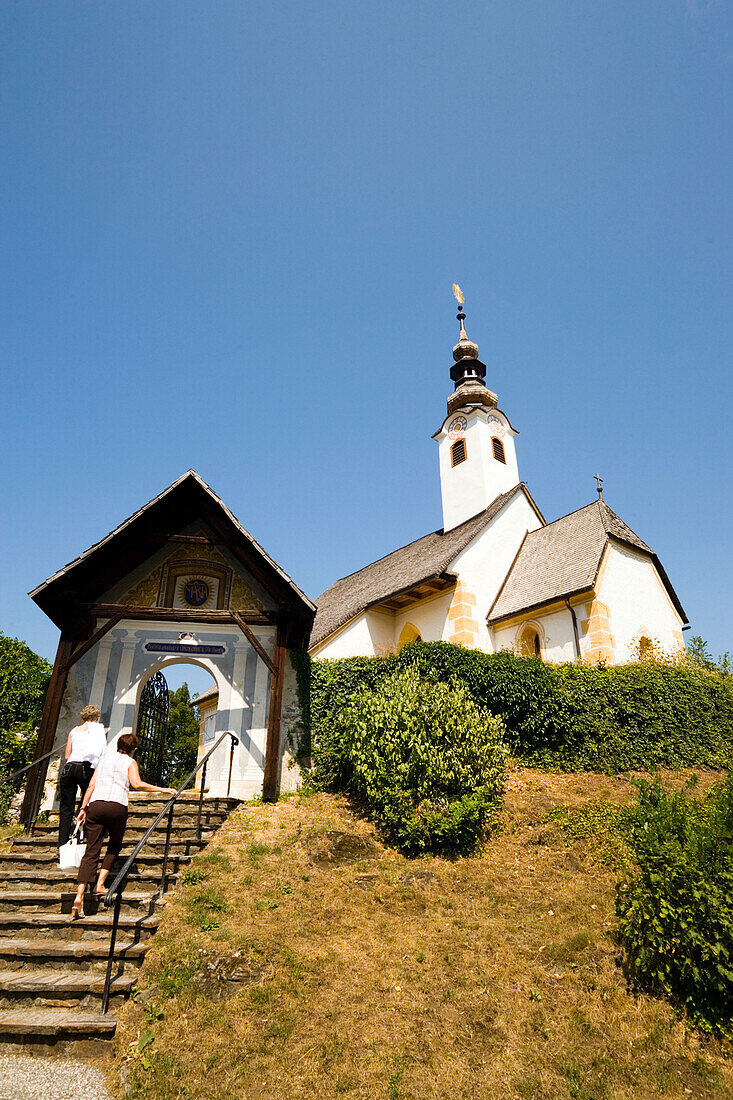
(77, 911)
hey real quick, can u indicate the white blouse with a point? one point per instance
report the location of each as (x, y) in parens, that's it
(113, 783)
(87, 745)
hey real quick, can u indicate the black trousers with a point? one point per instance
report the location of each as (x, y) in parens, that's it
(72, 777)
(102, 817)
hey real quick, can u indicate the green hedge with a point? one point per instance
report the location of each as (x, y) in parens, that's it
(571, 717)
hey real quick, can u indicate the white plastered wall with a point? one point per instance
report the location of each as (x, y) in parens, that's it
(555, 628)
(483, 565)
(291, 729)
(428, 616)
(638, 603)
(365, 636)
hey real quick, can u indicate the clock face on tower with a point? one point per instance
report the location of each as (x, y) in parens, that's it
(458, 427)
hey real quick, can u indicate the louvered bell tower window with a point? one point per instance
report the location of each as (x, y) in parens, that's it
(498, 448)
(458, 452)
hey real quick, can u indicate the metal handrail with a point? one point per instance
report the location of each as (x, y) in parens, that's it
(35, 782)
(19, 771)
(120, 881)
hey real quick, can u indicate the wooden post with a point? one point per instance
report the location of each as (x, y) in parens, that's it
(271, 780)
(47, 729)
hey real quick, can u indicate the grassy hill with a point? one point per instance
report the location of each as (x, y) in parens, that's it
(303, 959)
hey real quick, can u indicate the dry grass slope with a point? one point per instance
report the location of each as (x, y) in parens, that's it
(362, 974)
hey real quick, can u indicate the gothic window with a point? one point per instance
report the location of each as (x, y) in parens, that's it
(530, 645)
(498, 448)
(458, 452)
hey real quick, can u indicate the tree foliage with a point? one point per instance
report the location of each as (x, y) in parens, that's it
(182, 735)
(24, 680)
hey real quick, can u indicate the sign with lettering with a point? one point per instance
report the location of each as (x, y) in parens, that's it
(193, 649)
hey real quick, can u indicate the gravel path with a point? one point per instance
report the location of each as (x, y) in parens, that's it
(28, 1077)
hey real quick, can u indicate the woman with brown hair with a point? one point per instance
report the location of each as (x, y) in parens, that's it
(107, 798)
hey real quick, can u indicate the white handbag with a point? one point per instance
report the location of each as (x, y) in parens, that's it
(72, 853)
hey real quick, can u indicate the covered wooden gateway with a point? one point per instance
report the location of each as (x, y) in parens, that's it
(180, 581)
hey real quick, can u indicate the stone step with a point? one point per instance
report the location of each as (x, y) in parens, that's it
(14, 864)
(44, 954)
(55, 1031)
(41, 901)
(64, 881)
(90, 930)
(155, 846)
(144, 818)
(133, 832)
(189, 795)
(60, 989)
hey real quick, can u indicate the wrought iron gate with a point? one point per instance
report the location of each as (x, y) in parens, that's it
(152, 724)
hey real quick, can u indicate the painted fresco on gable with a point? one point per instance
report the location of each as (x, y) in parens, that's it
(193, 588)
(145, 592)
(242, 597)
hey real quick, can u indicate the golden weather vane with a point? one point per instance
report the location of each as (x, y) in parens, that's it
(458, 294)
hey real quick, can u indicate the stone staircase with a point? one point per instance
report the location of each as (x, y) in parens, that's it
(52, 968)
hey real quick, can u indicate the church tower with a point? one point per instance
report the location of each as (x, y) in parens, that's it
(476, 441)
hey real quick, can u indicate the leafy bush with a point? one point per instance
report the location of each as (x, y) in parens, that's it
(676, 910)
(573, 717)
(428, 761)
(24, 679)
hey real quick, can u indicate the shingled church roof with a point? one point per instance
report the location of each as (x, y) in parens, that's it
(563, 559)
(417, 562)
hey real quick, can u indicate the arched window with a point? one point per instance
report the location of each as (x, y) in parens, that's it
(409, 633)
(530, 644)
(498, 448)
(646, 648)
(458, 452)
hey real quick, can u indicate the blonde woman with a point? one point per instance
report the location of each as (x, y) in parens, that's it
(85, 747)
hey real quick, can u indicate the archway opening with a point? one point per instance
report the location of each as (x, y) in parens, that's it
(530, 644)
(177, 744)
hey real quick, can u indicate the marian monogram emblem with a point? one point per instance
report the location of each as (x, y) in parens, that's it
(196, 592)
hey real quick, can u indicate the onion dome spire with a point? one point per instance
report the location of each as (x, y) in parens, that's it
(467, 372)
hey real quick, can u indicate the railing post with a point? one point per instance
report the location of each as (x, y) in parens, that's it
(164, 876)
(231, 762)
(35, 799)
(111, 956)
(201, 803)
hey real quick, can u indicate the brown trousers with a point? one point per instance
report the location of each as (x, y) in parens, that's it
(102, 817)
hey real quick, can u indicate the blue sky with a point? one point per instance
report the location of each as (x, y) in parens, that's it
(229, 233)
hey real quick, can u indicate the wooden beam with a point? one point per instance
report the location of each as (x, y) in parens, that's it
(172, 614)
(47, 729)
(87, 645)
(193, 540)
(254, 643)
(270, 782)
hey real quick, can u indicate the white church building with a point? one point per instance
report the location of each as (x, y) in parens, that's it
(497, 575)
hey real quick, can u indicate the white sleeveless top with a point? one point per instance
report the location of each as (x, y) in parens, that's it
(112, 783)
(87, 744)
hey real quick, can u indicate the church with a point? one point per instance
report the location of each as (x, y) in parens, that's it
(498, 575)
